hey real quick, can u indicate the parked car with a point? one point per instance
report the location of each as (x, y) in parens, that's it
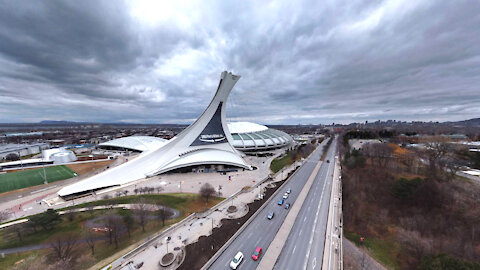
(287, 205)
(328, 160)
(236, 260)
(270, 215)
(289, 190)
(285, 196)
(256, 254)
(281, 201)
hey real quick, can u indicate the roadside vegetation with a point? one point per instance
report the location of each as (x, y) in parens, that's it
(302, 151)
(78, 240)
(409, 206)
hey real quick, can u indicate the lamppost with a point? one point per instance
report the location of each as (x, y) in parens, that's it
(44, 174)
(20, 157)
(166, 240)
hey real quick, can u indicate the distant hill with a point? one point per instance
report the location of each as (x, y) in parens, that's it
(470, 122)
(55, 122)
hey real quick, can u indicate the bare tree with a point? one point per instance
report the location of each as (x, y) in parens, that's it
(89, 238)
(4, 215)
(142, 209)
(129, 221)
(162, 213)
(90, 210)
(207, 191)
(434, 153)
(114, 224)
(17, 229)
(159, 189)
(63, 247)
(70, 214)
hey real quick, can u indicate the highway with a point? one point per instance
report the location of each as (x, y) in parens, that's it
(261, 231)
(304, 246)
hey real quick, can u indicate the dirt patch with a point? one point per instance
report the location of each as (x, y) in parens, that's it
(198, 253)
(83, 168)
(168, 259)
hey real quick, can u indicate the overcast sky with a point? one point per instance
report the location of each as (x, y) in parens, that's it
(300, 62)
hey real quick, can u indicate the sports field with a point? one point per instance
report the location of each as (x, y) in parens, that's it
(33, 177)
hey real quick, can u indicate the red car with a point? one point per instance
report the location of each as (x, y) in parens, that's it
(256, 254)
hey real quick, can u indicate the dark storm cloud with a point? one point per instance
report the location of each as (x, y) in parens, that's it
(305, 62)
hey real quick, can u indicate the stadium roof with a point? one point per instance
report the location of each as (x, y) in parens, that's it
(137, 143)
(245, 127)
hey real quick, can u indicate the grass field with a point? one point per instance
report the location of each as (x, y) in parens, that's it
(184, 202)
(33, 177)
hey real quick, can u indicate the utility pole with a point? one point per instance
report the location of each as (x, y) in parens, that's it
(44, 175)
(20, 157)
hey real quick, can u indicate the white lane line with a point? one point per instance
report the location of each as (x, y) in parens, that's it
(314, 263)
(300, 232)
(304, 219)
(315, 224)
(295, 247)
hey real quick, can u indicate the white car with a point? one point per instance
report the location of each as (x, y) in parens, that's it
(236, 260)
(285, 196)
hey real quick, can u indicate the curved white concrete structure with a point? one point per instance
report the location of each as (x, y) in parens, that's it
(135, 143)
(206, 141)
(254, 137)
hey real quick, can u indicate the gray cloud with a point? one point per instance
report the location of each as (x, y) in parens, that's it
(310, 62)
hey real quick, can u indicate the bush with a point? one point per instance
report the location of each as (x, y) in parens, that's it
(446, 262)
(404, 188)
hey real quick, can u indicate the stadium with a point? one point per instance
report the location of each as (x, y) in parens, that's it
(247, 137)
(206, 142)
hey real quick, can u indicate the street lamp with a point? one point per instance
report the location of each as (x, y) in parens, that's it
(166, 240)
(44, 174)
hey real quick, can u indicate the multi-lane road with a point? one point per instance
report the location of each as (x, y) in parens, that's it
(304, 246)
(261, 231)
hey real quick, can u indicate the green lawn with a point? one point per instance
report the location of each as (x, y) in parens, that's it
(33, 177)
(184, 202)
(278, 164)
(382, 250)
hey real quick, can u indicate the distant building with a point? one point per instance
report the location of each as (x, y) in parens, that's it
(21, 149)
(49, 156)
(357, 144)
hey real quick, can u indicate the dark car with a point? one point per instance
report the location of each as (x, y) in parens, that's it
(287, 205)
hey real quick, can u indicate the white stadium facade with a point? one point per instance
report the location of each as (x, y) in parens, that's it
(247, 137)
(208, 141)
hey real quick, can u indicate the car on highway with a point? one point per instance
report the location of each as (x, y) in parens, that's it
(289, 190)
(287, 205)
(256, 254)
(285, 196)
(281, 201)
(271, 215)
(236, 260)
